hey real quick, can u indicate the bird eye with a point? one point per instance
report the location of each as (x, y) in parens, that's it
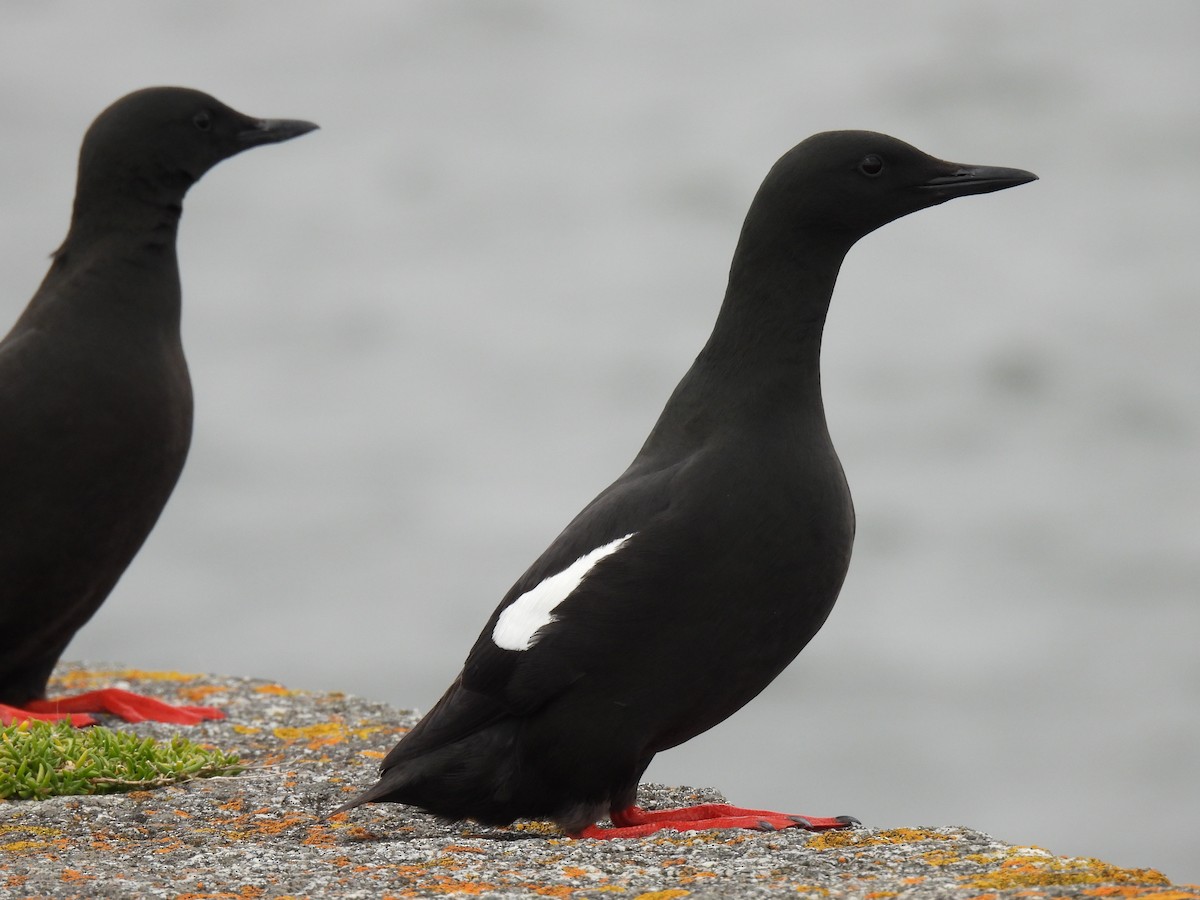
(202, 120)
(871, 165)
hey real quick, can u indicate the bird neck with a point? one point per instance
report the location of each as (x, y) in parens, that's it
(773, 315)
(144, 221)
(117, 264)
(761, 367)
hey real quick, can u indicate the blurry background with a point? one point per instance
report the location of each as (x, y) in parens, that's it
(423, 337)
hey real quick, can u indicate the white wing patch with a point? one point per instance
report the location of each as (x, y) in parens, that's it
(534, 609)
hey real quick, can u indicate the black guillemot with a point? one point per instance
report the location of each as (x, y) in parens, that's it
(689, 583)
(95, 398)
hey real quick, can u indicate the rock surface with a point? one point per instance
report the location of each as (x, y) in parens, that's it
(261, 834)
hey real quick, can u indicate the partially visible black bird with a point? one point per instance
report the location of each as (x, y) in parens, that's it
(687, 585)
(95, 400)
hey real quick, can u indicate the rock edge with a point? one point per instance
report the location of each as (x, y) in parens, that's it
(261, 834)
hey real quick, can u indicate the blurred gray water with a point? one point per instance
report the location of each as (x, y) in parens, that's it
(423, 337)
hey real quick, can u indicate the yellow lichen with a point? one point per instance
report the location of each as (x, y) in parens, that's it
(39, 830)
(83, 679)
(1030, 867)
(324, 733)
(1149, 893)
(277, 689)
(840, 840)
(942, 857)
(531, 827)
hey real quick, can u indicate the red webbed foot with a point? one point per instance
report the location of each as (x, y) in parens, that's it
(127, 705)
(637, 822)
(13, 714)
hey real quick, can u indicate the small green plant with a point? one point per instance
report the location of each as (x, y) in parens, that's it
(43, 759)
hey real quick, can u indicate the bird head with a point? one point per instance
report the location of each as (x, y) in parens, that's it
(848, 183)
(167, 138)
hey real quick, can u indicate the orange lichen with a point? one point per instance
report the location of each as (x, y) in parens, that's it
(277, 826)
(200, 692)
(74, 876)
(247, 892)
(320, 836)
(668, 894)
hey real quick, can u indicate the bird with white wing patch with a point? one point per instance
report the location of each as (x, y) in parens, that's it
(689, 583)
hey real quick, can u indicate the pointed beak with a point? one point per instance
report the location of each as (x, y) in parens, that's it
(962, 181)
(272, 131)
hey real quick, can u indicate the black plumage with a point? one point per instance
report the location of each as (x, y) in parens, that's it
(714, 558)
(95, 399)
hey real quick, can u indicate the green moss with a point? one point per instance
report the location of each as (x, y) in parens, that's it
(42, 759)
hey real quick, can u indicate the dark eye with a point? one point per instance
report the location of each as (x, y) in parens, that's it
(871, 165)
(202, 120)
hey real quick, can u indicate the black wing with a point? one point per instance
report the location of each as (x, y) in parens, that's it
(496, 683)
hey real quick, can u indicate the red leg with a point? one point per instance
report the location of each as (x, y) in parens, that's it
(637, 822)
(127, 705)
(11, 714)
